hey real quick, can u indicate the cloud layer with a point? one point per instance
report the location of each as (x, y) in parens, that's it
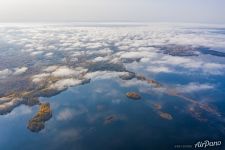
(61, 56)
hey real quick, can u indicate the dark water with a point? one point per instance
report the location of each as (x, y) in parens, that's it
(79, 121)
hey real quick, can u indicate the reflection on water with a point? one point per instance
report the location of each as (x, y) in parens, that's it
(99, 116)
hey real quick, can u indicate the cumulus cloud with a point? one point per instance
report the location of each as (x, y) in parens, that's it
(50, 68)
(4, 73)
(64, 71)
(192, 63)
(50, 54)
(94, 45)
(15, 71)
(104, 75)
(9, 104)
(36, 53)
(40, 77)
(105, 51)
(159, 69)
(65, 83)
(121, 43)
(194, 87)
(19, 71)
(100, 59)
(162, 63)
(139, 54)
(213, 68)
(133, 83)
(88, 44)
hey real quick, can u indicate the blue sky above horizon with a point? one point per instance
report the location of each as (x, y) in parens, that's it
(194, 11)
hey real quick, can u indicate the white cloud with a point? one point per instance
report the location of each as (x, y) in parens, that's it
(15, 71)
(94, 45)
(40, 77)
(213, 68)
(50, 68)
(139, 54)
(63, 72)
(105, 51)
(51, 47)
(36, 53)
(194, 87)
(133, 82)
(4, 73)
(167, 63)
(9, 104)
(50, 54)
(19, 71)
(65, 83)
(103, 75)
(159, 69)
(100, 59)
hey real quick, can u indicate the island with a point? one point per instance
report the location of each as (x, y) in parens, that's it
(36, 124)
(111, 118)
(166, 116)
(133, 95)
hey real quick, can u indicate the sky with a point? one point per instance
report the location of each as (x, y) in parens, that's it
(193, 11)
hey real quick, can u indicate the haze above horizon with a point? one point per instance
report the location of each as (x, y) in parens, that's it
(194, 11)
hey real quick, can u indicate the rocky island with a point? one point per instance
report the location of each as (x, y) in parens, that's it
(36, 124)
(133, 96)
(111, 118)
(157, 106)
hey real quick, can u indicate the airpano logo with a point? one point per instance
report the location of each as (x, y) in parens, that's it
(207, 144)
